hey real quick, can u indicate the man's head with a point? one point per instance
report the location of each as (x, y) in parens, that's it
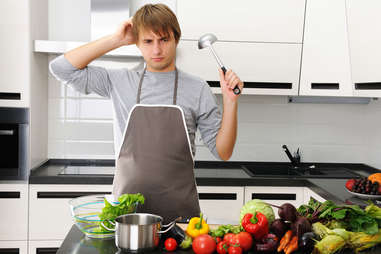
(157, 32)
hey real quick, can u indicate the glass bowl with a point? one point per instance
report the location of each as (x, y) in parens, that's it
(85, 212)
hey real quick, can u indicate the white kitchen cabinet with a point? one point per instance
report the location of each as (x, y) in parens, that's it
(49, 210)
(245, 20)
(15, 50)
(276, 195)
(325, 60)
(14, 247)
(364, 21)
(266, 68)
(221, 202)
(13, 212)
(44, 247)
(308, 193)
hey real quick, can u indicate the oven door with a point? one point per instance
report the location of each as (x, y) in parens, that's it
(13, 151)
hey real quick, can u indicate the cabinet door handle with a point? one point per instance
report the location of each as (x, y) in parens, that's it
(62, 194)
(217, 196)
(325, 86)
(368, 86)
(10, 250)
(10, 96)
(261, 85)
(46, 250)
(274, 196)
(9, 194)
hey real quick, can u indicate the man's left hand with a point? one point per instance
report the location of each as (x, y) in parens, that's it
(228, 82)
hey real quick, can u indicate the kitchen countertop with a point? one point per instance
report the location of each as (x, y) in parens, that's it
(206, 173)
(77, 243)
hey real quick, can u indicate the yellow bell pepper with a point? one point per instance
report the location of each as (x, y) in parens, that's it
(197, 226)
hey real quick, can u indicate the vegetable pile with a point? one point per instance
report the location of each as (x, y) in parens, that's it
(316, 227)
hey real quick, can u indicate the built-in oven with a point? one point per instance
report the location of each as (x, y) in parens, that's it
(14, 133)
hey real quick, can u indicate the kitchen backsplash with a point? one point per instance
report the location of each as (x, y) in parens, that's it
(80, 126)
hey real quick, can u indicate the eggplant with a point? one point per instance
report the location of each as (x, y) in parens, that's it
(175, 232)
(307, 242)
(268, 243)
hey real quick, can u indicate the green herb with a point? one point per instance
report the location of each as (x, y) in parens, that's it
(356, 219)
(127, 204)
(224, 229)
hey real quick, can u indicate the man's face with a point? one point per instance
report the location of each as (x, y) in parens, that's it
(159, 52)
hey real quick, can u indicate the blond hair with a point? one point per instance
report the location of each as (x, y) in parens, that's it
(158, 18)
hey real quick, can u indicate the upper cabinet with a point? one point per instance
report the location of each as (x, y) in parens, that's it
(14, 47)
(245, 20)
(266, 68)
(325, 59)
(364, 21)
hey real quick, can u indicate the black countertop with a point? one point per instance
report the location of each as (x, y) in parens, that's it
(77, 243)
(207, 174)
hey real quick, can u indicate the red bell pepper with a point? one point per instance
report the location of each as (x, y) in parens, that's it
(255, 224)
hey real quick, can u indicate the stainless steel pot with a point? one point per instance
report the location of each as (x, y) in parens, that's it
(139, 232)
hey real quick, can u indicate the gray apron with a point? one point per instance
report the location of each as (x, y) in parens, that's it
(155, 159)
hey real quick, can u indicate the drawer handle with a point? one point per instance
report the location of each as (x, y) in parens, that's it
(62, 194)
(46, 250)
(10, 250)
(217, 196)
(325, 86)
(274, 196)
(368, 86)
(261, 85)
(9, 194)
(10, 96)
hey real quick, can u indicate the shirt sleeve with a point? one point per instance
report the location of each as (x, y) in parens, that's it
(209, 119)
(91, 79)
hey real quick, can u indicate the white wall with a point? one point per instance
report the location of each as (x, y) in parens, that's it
(80, 126)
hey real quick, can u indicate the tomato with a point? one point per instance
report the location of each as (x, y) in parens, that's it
(218, 239)
(204, 244)
(229, 237)
(222, 247)
(235, 250)
(243, 239)
(349, 184)
(170, 244)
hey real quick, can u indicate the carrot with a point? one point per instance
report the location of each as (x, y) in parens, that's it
(285, 240)
(292, 246)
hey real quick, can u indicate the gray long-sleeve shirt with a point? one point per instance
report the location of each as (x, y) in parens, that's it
(194, 96)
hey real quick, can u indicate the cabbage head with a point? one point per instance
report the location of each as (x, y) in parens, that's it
(257, 205)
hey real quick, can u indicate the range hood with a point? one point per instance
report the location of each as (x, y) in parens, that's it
(105, 15)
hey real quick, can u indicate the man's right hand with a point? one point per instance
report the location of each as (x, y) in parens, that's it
(123, 33)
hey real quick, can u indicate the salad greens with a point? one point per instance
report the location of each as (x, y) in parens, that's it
(127, 204)
(350, 217)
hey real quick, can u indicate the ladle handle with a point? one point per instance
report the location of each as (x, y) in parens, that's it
(236, 89)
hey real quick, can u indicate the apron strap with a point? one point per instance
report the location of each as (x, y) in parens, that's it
(141, 83)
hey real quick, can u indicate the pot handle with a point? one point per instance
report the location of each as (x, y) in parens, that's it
(169, 225)
(109, 229)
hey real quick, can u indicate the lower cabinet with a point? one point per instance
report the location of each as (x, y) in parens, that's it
(308, 193)
(221, 203)
(49, 210)
(276, 195)
(14, 247)
(14, 212)
(44, 247)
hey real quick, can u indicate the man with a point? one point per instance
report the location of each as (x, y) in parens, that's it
(154, 141)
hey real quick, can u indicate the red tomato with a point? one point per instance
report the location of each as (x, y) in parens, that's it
(218, 239)
(229, 238)
(243, 239)
(170, 244)
(349, 184)
(235, 250)
(204, 244)
(222, 247)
